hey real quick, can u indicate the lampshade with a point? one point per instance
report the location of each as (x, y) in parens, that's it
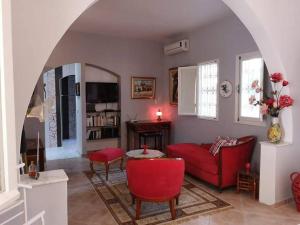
(36, 112)
(159, 114)
(40, 108)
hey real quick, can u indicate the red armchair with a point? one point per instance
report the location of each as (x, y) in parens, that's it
(157, 180)
(219, 170)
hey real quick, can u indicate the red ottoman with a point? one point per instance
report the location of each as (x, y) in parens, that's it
(106, 156)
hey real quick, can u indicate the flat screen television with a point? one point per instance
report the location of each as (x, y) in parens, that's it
(102, 92)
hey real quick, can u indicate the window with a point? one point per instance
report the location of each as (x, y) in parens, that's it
(208, 90)
(250, 67)
(198, 90)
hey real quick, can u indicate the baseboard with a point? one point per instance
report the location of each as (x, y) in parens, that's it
(283, 202)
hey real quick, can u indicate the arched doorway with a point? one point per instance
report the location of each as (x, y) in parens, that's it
(243, 9)
(25, 42)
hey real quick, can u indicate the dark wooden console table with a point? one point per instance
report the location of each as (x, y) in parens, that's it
(134, 129)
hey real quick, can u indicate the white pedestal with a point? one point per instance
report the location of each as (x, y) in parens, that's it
(48, 193)
(276, 163)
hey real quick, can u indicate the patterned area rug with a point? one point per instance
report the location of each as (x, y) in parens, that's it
(193, 201)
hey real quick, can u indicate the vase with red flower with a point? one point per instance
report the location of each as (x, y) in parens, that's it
(274, 131)
(273, 104)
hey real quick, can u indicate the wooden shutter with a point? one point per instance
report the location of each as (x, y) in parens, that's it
(187, 90)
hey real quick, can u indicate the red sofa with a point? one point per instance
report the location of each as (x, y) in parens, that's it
(219, 170)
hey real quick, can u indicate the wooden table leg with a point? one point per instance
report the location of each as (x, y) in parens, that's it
(92, 167)
(238, 184)
(254, 188)
(172, 209)
(121, 164)
(106, 170)
(138, 209)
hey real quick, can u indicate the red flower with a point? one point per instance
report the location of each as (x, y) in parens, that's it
(285, 101)
(269, 102)
(285, 83)
(276, 77)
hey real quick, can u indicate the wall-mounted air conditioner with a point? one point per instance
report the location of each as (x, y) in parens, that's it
(177, 47)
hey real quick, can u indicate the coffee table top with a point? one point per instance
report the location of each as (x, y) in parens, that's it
(138, 154)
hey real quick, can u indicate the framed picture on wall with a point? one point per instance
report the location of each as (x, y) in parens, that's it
(143, 87)
(173, 85)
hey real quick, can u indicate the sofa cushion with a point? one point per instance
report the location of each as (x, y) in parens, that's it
(222, 141)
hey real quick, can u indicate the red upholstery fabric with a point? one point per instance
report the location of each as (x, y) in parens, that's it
(200, 163)
(106, 155)
(155, 179)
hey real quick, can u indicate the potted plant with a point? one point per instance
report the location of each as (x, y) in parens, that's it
(272, 105)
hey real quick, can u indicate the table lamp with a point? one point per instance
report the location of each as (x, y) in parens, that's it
(158, 114)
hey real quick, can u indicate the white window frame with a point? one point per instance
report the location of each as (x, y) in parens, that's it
(8, 143)
(217, 61)
(246, 120)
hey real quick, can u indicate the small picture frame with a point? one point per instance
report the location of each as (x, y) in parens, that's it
(143, 87)
(173, 85)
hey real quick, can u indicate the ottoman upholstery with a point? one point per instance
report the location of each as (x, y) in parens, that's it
(106, 156)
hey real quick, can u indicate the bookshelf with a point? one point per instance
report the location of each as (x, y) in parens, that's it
(103, 125)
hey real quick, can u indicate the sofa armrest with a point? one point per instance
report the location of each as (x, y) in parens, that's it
(231, 160)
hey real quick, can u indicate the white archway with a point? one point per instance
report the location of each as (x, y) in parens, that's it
(34, 38)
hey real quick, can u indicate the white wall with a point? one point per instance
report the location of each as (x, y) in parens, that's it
(125, 57)
(37, 27)
(222, 40)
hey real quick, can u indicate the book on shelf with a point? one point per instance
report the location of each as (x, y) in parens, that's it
(101, 120)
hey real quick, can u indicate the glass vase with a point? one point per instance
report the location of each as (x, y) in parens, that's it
(274, 131)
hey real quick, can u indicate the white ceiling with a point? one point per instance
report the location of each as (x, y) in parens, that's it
(149, 19)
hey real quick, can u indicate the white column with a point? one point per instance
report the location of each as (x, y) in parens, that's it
(277, 162)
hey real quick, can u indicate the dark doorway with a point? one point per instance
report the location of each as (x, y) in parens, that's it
(68, 107)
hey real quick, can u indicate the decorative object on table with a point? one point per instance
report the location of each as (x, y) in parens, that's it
(272, 105)
(225, 89)
(173, 85)
(119, 204)
(145, 152)
(248, 181)
(31, 154)
(143, 87)
(159, 115)
(247, 167)
(295, 178)
(32, 171)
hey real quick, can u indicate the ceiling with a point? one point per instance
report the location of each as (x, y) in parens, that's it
(149, 19)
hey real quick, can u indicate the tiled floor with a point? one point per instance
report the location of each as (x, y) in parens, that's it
(85, 207)
(67, 151)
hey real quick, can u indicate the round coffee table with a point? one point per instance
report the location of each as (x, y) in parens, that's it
(138, 154)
